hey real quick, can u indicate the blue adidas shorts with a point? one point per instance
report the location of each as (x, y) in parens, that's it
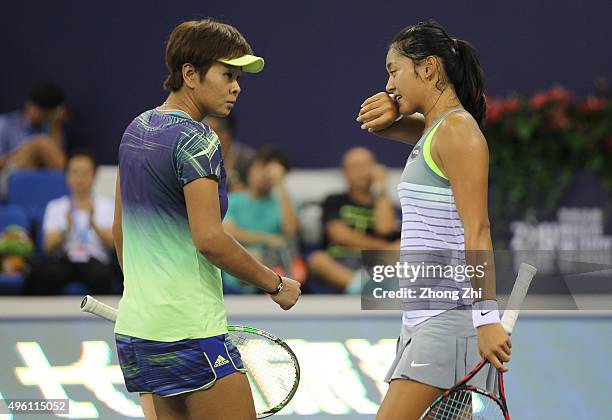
(174, 368)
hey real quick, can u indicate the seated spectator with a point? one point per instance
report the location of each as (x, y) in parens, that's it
(236, 156)
(359, 219)
(33, 137)
(77, 235)
(262, 217)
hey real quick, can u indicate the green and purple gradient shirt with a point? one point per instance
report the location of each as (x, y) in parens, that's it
(171, 291)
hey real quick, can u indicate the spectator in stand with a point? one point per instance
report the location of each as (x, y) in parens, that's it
(33, 137)
(236, 155)
(359, 219)
(262, 217)
(77, 235)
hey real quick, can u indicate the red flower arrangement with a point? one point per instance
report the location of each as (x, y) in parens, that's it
(537, 144)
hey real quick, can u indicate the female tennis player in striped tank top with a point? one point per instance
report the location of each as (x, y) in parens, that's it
(436, 84)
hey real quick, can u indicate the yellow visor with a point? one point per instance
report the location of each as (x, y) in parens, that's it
(248, 63)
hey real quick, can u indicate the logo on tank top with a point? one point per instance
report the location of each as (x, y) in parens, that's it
(415, 153)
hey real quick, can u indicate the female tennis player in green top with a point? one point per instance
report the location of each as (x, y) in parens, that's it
(436, 84)
(171, 197)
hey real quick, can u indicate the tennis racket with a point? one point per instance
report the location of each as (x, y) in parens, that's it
(466, 402)
(272, 368)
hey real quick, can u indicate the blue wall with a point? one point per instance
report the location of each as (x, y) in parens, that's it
(323, 58)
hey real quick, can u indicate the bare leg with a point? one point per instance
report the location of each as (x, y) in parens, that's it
(229, 399)
(407, 400)
(146, 402)
(170, 408)
(39, 152)
(329, 269)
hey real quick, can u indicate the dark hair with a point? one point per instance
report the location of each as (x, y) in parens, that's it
(82, 153)
(269, 154)
(201, 43)
(46, 95)
(459, 58)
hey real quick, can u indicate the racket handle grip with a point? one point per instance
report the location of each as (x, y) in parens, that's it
(519, 291)
(91, 305)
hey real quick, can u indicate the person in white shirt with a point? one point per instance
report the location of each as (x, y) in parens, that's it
(77, 235)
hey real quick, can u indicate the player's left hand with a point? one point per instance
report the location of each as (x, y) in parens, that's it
(494, 344)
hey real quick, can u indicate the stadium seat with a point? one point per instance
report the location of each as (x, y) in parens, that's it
(32, 190)
(11, 284)
(13, 215)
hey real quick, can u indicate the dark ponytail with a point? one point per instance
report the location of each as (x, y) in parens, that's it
(469, 81)
(458, 57)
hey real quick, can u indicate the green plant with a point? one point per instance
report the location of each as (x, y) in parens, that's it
(536, 145)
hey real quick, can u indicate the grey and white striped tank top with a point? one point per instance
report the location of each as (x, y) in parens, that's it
(432, 232)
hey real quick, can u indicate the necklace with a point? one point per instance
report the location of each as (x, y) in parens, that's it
(170, 110)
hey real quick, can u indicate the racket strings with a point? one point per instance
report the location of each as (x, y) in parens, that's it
(271, 369)
(463, 404)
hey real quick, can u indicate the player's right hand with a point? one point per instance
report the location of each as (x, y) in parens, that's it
(289, 295)
(378, 112)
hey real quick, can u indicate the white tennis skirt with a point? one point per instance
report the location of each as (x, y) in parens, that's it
(440, 352)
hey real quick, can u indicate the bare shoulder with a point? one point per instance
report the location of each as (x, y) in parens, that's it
(459, 132)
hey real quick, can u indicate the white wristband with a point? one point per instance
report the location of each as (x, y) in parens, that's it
(485, 312)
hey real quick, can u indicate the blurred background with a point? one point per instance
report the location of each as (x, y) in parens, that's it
(74, 74)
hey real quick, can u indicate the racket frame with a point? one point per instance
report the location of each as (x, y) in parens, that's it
(296, 364)
(461, 386)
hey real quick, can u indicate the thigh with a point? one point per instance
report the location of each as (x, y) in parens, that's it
(39, 151)
(169, 408)
(229, 399)
(146, 402)
(407, 400)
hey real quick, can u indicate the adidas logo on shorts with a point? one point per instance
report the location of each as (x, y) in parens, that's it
(220, 361)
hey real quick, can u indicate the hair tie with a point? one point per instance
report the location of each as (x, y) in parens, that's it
(455, 46)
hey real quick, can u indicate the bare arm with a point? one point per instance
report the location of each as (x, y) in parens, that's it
(379, 113)
(384, 216)
(117, 224)
(106, 235)
(384, 213)
(52, 241)
(289, 220)
(3, 160)
(342, 234)
(220, 248)
(407, 130)
(288, 217)
(56, 130)
(462, 154)
(249, 237)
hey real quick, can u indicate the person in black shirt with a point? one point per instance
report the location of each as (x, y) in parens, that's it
(362, 218)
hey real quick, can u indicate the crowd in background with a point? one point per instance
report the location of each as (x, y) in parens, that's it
(75, 249)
